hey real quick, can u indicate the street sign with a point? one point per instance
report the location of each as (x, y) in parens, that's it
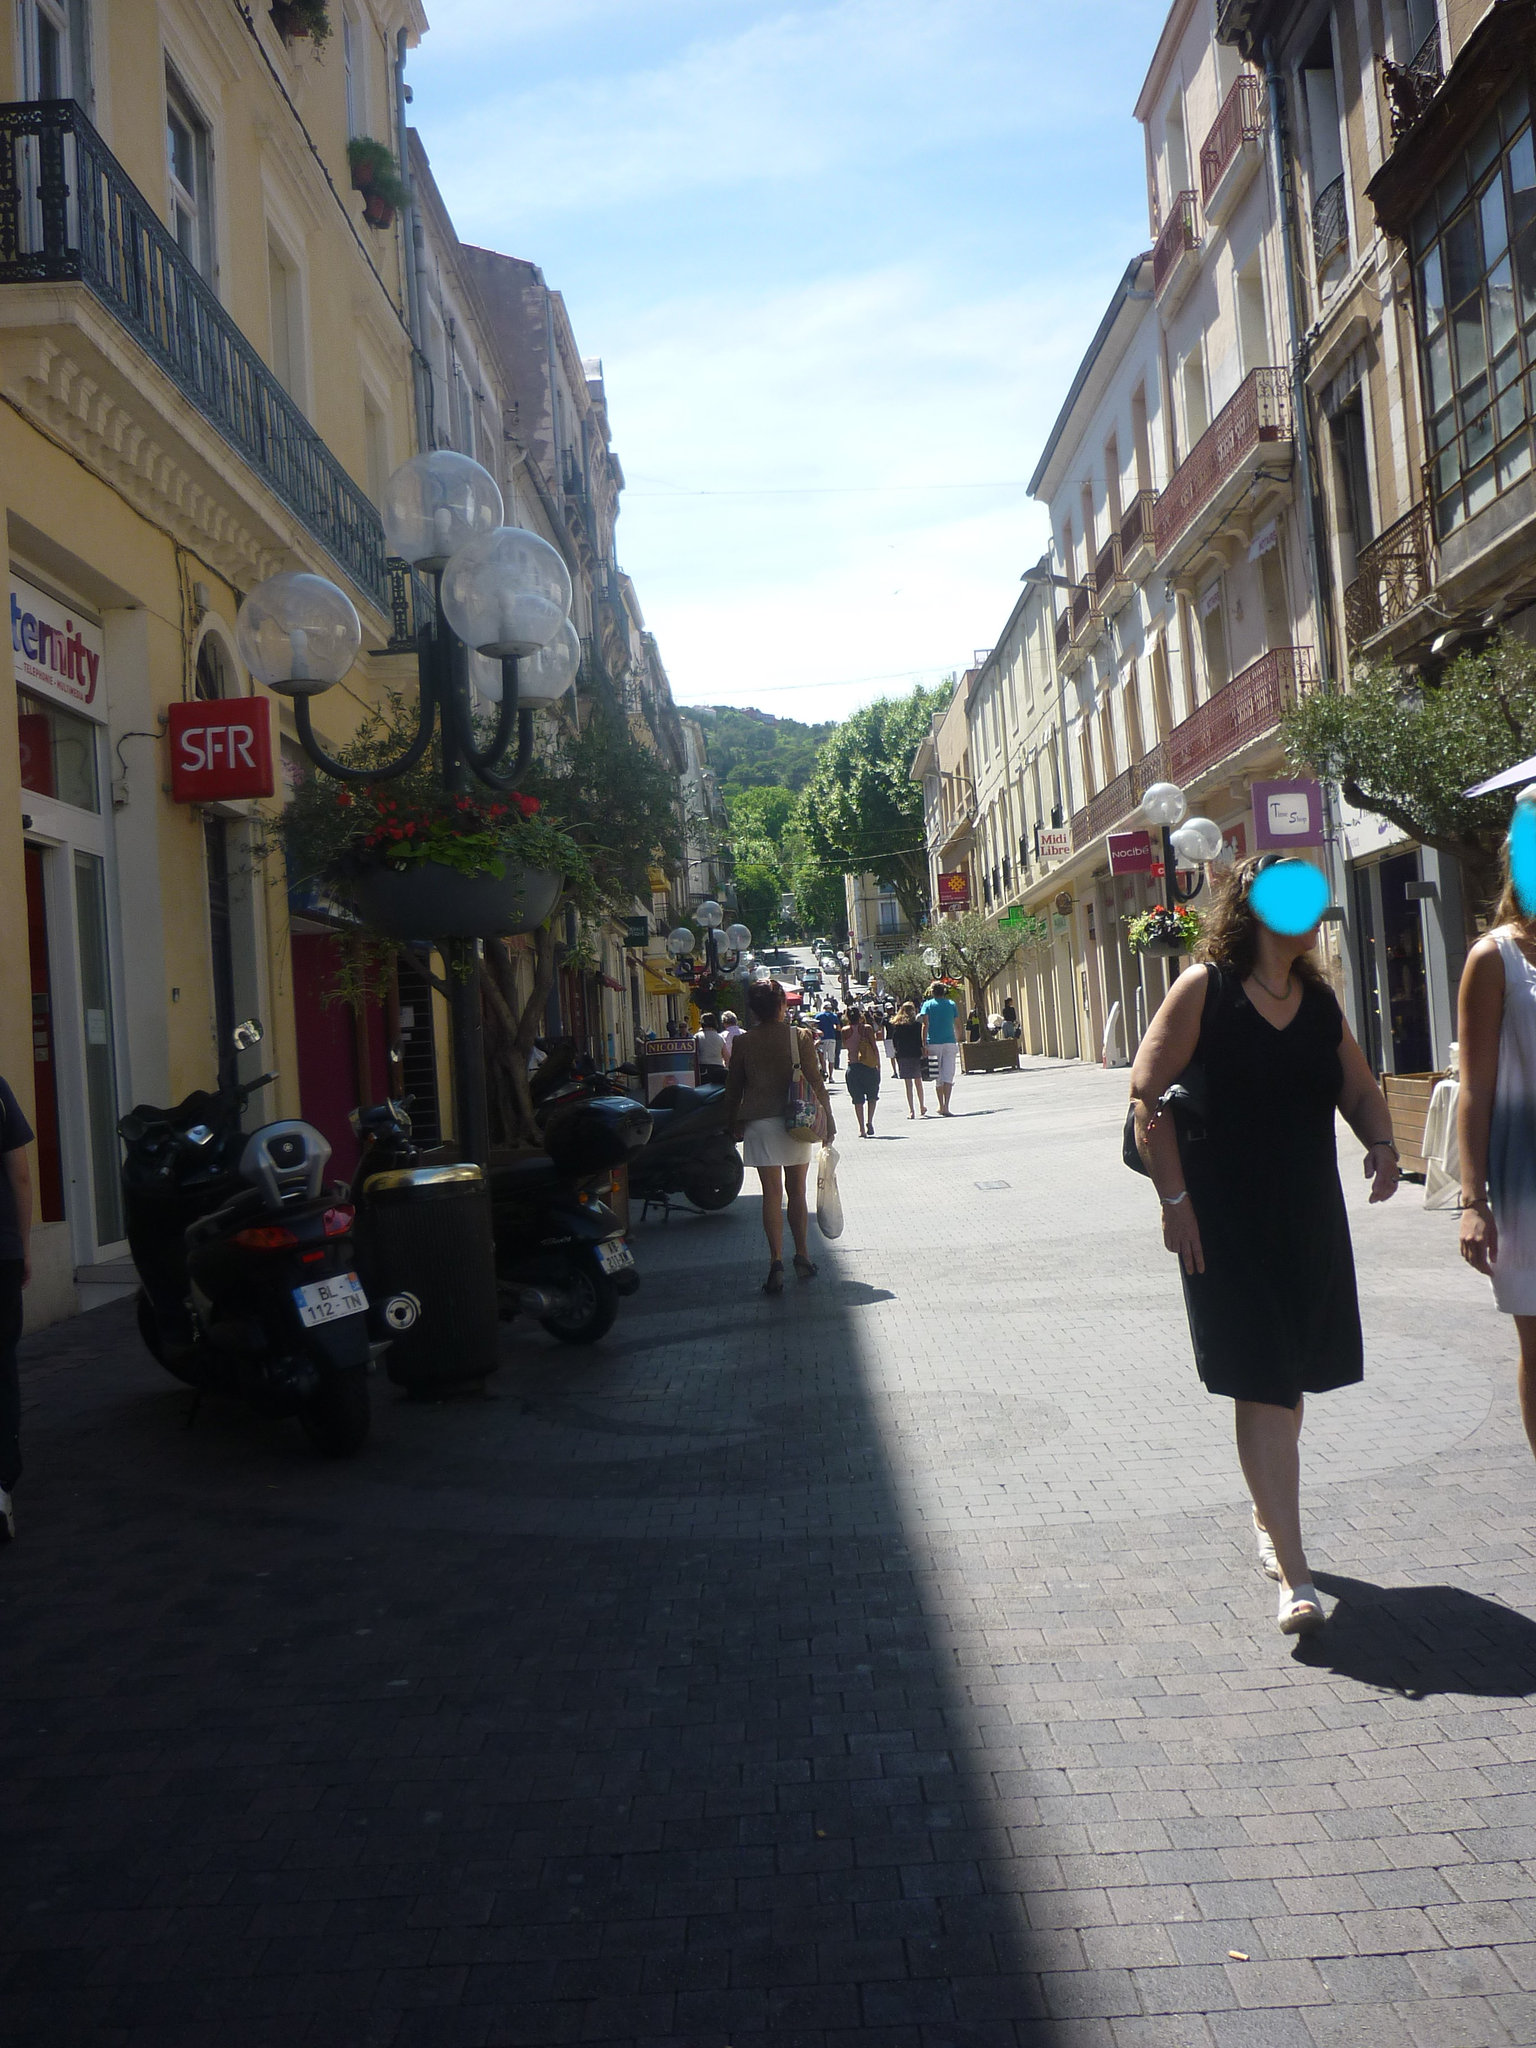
(637, 932)
(1056, 842)
(954, 890)
(220, 749)
(1130, 853)
(1287, 815)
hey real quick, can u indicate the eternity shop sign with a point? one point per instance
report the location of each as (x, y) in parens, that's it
(54, 651)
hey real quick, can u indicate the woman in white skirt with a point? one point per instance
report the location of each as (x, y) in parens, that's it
(756, 1093)
(1496, 1121)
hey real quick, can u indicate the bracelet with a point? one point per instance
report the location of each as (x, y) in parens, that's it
(1173, 1201)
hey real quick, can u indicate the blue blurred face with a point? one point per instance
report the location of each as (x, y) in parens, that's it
(1289, 899)
(1522, 857)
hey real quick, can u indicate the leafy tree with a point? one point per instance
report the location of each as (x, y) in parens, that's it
(750, 749)
(861, 811)
(974, 949)
(1406, 746)
(759, 887)
(907, 977)
(821, 901)
(759, 816)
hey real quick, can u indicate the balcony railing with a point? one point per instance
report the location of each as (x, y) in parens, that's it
(69, 213)
(1084, 605)
(1393, 575)
(1063, 632)
(1410, 87)
(1247, 709)
(1330, 223)
(1181, 232)
(1137, 528)
(1258, 411)
(1106, 569)
(1241, 120)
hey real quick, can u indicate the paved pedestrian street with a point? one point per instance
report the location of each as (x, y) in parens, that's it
(886, 1664)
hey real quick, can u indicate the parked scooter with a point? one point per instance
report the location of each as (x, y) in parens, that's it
(248, 1281)
(691, 1152)
(560, 1251)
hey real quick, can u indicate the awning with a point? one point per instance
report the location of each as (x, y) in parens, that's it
(659, 983)
(1510, 778)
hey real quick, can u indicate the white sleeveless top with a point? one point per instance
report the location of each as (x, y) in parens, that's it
(1512, 1135)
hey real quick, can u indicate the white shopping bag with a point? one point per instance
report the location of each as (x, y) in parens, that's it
(829, 1203)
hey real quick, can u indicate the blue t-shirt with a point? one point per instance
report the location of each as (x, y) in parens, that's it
(941, 1014)
(826, 1023)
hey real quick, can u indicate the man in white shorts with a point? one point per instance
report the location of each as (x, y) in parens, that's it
(941, 1016)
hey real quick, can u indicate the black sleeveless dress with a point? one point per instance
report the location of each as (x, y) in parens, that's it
(1275, 1314)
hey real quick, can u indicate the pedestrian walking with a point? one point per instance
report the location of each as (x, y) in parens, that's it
(863, 1044)
(730, 1031)
(709, 1043)
(762, 1066)
(1253, 1210)
(908, 1036)
(940, 1016)
(1496, 1123)
(829, 1043)
(15, 1271)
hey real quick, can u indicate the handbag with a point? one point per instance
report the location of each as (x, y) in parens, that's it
(1186, 1100)
(804, 1118)
(829, 1203)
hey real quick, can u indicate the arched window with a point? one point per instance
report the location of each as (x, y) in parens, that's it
(214, 677)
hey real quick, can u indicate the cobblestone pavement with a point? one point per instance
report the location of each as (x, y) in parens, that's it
(886, 1664)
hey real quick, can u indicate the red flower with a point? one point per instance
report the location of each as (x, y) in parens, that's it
(344, 797)
(528, 805)
(410, 831)
(395, 832)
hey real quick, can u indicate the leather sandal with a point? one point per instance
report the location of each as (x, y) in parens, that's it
(805, 1269)
(1301, 1612)
(774, 1284)
(1269, 1564)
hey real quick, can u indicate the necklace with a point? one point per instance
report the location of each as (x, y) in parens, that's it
(1275, 995)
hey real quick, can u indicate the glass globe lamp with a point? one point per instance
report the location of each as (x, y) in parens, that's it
(739, 937)
(298, 633)
(1197, 841)
(506, 592)
(434, 503)
(485, 677)
(710, 915)
(544, 678)
(1164, 803)
(679, 941)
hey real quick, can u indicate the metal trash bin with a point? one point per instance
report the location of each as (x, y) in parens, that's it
(429, 1230)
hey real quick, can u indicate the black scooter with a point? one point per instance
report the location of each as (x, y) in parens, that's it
(560, 1251)
(248, 1281)
(690, 1153)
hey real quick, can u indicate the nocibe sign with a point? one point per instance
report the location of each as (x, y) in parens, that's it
(221, 750)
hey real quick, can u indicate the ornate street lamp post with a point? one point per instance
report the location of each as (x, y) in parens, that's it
(499, 593)
(1194, 841)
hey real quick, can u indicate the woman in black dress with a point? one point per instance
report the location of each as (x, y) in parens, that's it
(1254, 1210)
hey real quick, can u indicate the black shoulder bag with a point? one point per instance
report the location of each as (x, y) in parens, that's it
(1186, 1100)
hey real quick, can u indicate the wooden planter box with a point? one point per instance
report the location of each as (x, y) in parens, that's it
(1408, 1100)
(990, 1056)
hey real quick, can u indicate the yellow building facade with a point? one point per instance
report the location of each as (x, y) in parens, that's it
(206, 373)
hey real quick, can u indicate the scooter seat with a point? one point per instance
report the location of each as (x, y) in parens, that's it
(221, 1221)
(515, 1178)
(680, 1100)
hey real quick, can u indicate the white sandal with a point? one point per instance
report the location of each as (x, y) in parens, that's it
(1301, 1612)
(1269, 1564)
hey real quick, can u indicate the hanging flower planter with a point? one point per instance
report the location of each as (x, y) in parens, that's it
(378, 211)
(295, 20)
(430, 901)
(1162, 934)
(366, 158)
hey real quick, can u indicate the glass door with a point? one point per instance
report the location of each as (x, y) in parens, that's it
(100, 1050)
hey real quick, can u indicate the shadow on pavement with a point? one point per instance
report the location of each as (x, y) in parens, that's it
(1420, 1640)
(616, 1708)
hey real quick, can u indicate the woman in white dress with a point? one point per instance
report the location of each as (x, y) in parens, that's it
(1496, 1123)
(756, 1092)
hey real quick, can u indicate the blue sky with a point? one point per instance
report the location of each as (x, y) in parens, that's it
(840, 260)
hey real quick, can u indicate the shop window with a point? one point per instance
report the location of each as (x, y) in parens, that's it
(1473, 250)
(100, 1051)
(58, 753)
(189, 157)
(45, 1051)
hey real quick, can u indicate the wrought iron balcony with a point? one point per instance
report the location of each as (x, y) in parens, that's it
(1247, 709)
(1085, 607)
(1410, 87)
(1223, 460)
(1108, 576)
(70, 214)
(1237, 127)
(1330, 223)
(1179, 239)
(1063, 632)
(1393, 575)
(1137, 531)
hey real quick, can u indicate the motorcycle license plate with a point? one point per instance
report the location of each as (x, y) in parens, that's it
(327, 1301)
(615, 1256)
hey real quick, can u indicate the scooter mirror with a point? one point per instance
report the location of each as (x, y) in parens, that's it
(248, 1034)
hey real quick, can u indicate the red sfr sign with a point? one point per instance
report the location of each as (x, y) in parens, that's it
(220, 750)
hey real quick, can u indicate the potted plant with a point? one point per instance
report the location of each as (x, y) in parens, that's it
(294, 19)
(418, 863)
(367, 158)
(1162, 933)
(386, 193)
